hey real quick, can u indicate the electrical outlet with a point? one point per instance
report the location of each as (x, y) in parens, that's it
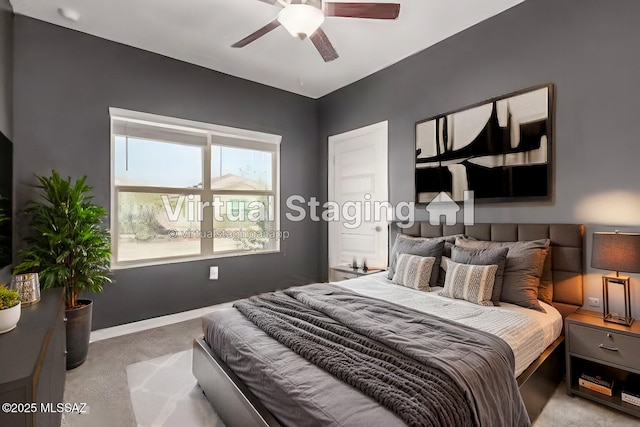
(213, 273)
(594, 302)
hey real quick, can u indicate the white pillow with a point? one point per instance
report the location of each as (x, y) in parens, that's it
(413, 271)
(473, 283)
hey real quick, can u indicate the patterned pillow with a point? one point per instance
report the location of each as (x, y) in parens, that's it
(487, 256)
(413, 271)
(473, 283)
(417, 246)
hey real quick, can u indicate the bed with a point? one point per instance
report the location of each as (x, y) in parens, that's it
(242, 395)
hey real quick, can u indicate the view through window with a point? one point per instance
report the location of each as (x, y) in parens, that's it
(188, 192)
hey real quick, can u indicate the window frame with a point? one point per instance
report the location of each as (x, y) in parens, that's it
(216, 135)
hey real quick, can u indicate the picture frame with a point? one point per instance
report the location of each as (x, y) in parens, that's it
(501, 149)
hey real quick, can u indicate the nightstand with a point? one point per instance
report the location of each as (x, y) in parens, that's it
(596, 347)
(344, 272)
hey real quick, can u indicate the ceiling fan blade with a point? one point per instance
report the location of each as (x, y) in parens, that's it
(324, 46)
(256, 35)
(269, 1)
(362, 10)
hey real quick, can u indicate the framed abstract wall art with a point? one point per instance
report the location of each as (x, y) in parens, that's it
(500, 149)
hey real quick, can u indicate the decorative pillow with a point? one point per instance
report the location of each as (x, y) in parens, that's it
(417, 246)
(489, 256)
(413, 271)
(473, 283)
(545, 290)
(522, 271)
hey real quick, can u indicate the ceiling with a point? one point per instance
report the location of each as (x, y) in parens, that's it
(201, 32)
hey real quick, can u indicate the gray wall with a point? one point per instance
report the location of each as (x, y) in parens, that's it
(6, 66)
(65, 81)
(588, 48)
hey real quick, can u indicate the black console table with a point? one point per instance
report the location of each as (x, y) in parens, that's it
(33, 363)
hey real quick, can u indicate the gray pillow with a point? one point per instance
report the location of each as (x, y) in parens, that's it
(545, 291)
(448, 244)
(522, 271)
(488, 256)
(417, 246)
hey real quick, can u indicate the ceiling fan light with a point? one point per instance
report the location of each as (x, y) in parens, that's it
(301, 19)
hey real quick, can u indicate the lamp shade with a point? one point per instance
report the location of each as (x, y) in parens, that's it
(616, 252)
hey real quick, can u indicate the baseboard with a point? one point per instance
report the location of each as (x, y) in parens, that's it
(156, 322)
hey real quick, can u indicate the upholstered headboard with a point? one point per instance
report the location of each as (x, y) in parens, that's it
(567, 241)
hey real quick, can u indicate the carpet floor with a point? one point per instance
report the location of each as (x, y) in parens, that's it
(144, 379)
(101, 382)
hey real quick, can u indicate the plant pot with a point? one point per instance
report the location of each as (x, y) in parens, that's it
(78, 333)
(9, 318)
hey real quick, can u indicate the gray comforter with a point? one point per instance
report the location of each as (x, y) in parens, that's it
(426, 370)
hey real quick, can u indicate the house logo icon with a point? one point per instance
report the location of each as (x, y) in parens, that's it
(444, 206)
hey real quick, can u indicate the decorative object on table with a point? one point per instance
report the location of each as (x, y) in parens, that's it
(9, 309)
(500, 149)
(70, 249)
(617, 252)
(354, 263)
(631, 390)
(28, 286)
(597, 383)
(364, 265)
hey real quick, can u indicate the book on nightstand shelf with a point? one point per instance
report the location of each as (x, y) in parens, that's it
(631, 391)
(596, 383)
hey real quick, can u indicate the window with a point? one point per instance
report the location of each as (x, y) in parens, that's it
(184, 190)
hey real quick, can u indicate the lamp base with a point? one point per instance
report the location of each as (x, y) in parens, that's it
(621, 320)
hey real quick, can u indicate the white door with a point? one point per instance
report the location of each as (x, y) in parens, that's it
(358, 174)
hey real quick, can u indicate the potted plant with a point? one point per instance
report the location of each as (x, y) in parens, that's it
(9, 309)
(70, 249)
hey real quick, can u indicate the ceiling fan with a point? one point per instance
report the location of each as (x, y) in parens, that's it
(303, 18)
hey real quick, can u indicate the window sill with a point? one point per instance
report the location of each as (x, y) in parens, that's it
(165, 261)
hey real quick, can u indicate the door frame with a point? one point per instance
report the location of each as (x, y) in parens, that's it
(336, 139)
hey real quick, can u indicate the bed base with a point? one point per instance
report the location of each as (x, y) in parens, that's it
(231, 399)
(238, 407)
(540, 380)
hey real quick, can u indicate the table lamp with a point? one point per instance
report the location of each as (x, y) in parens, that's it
(618, 252)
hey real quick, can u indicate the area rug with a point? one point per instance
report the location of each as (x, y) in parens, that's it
(164, 393)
